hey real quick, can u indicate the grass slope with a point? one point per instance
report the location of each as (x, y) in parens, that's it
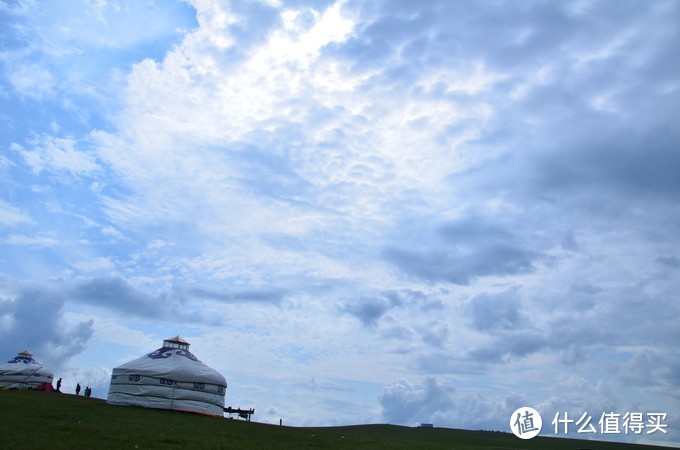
(37, 420)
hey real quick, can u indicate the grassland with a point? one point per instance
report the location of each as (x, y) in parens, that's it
(44, 420)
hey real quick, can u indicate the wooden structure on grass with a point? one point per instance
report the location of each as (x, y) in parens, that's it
(242, 413)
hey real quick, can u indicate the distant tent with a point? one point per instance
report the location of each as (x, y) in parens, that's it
(47, 387)
(23, 372)
(169, 378)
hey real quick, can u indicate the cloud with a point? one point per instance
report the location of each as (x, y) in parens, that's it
(367, 310)
(469, 248)
(265, 296)
(33, 241)
(635, 167)
(57, 155)
(97, 264)
(34, 320)
(69, 59)
(405, 403)
(10, 215)
(497, 312)
(435, 334)
(33, 80)
(116, 294)
(649, 369)
(177, 304)
(672, 262)
(509, 346)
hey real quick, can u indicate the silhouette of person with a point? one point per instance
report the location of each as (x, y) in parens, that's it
(88, 391)
(78, 389)
(59, 385)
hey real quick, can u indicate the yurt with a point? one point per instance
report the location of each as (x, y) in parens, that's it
(169, 378)
(23, 372)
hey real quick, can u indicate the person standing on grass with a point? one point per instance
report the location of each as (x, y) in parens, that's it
(59, 385)
(77, 388)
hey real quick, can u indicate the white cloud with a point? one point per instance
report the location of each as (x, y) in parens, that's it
(97, 264)
(56, 154)
(403, 402)
(214, 19)
(33, 80)
(157, 244)
(110, 231)
(33, 241)
(10, 215)
(298, 43)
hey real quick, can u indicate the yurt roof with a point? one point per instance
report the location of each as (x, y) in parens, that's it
(23, 363)
(24, 357)
(177, 364)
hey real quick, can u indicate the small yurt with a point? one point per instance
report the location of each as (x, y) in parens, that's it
(169, 378)
(23, 372)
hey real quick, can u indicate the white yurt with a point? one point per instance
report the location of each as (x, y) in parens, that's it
(169, 378)
(23, 372)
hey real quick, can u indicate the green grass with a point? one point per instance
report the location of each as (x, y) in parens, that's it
(41, 420)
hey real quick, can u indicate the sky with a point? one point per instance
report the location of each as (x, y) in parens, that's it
(357, 211)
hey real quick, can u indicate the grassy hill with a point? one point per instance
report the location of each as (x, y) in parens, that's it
(38, 420)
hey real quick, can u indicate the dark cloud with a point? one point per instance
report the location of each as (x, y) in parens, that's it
(648, 368)
(509, 346)
(497, 312)
(116, 294)
(565, 151)
(451, 266)
(269, 296)
(436, 334)
(368, 310)
(470, 248)
(615, 163)
(401, 333)
(672, 262)
(644, 317)
(518, 36)
(580, 325)
(412, 297)
(583, 172)
(580, 322)
(584, 288)
(34, 320)
(181, 303)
